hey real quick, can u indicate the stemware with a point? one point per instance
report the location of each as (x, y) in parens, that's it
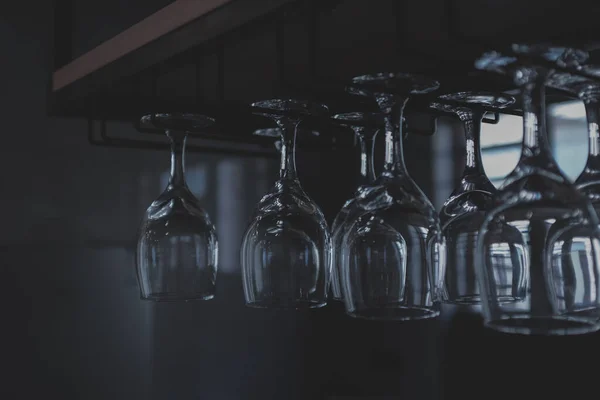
(392, 254)
(462, 213)
(286, 249)
(365, 127)
(177, 246)
(588, 91)
(554, 283)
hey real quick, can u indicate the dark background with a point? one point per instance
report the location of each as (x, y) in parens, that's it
(72, 322)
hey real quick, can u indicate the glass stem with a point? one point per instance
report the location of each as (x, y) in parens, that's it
(536, 155)
(178, 141)
(592, 111)
(367, 171)
(535, 141)
(287, 170)
(394, 155)
(472, 125)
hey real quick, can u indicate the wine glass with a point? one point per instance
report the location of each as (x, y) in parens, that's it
(365, 127)
(462, 213)
(559, 270)
(286, 249)
(392, 254)
(177, 246)
(588, 91)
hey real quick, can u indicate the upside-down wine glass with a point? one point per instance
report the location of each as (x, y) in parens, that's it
(392, 254)
(177, 247)
(365, 127)
(286, 249)
(588, 91)
(559, 273)
(462, 213)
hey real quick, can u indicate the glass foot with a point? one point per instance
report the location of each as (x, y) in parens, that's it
(495, 61)
(360, 119)
(289, 107)
(489, 100)
(180, 122)
(390, 83)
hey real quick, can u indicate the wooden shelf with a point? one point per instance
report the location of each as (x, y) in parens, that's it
(163, 22)
(169, 32)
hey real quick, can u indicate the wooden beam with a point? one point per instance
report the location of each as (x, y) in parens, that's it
(165, 20)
